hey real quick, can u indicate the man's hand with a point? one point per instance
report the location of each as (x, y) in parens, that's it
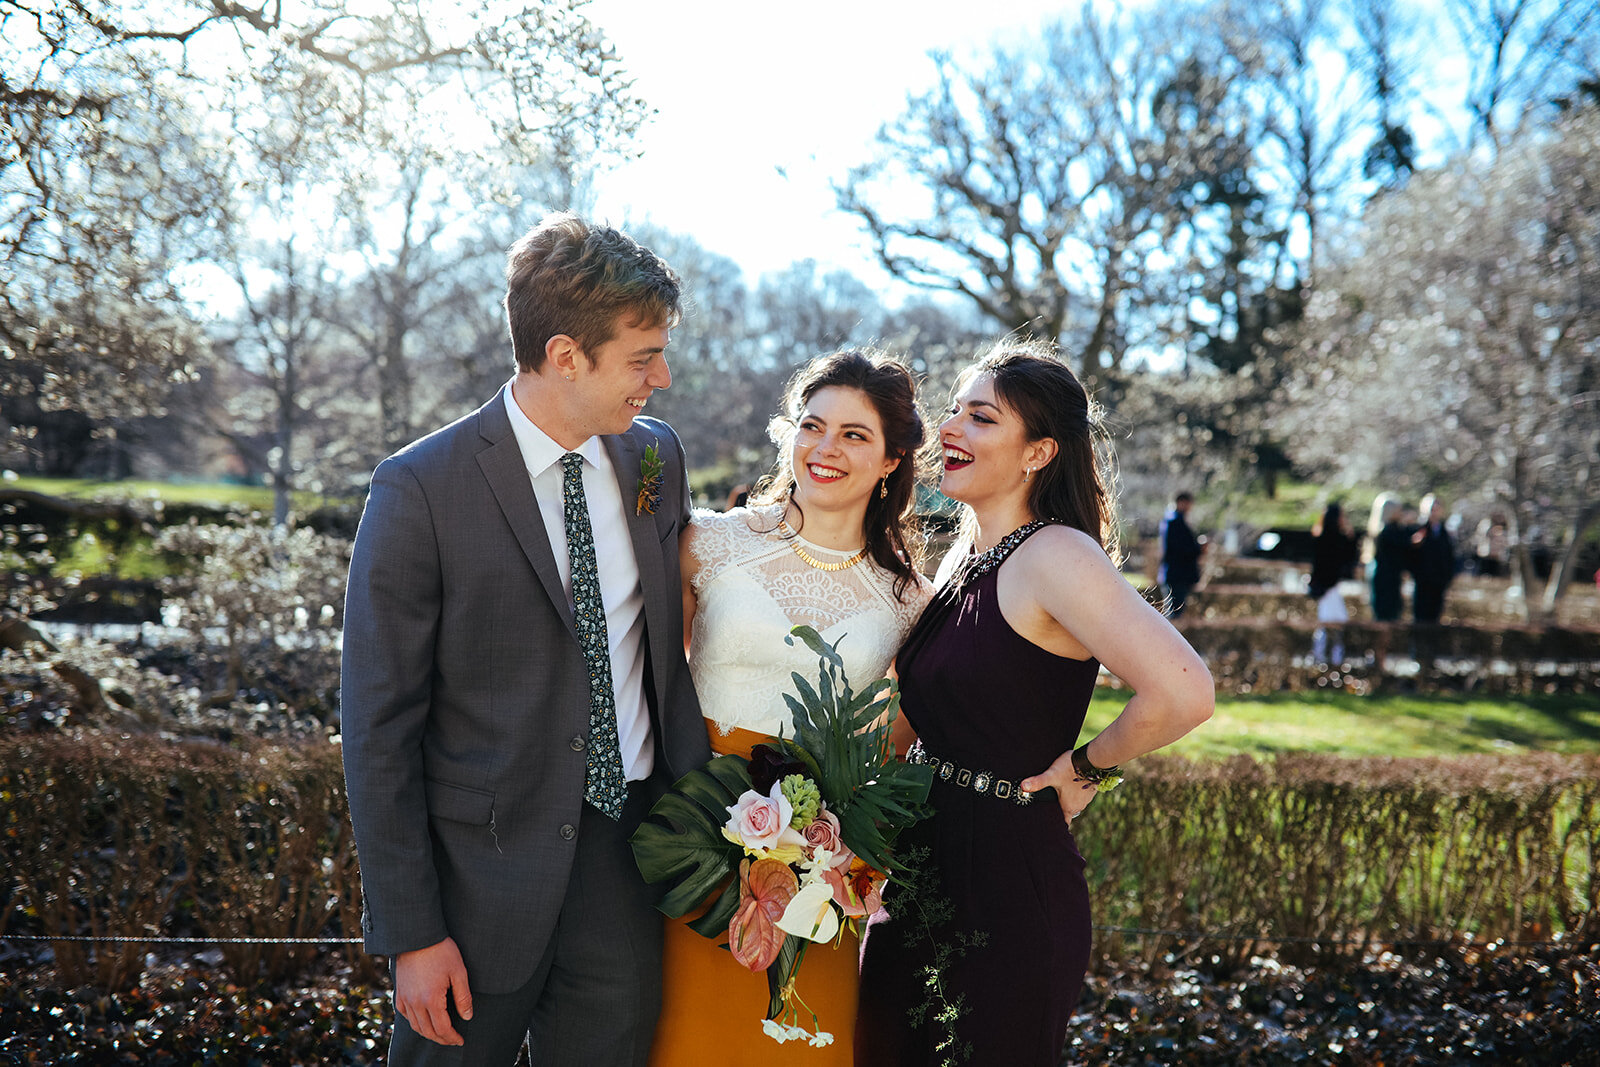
(424, 980)
(1074, 792)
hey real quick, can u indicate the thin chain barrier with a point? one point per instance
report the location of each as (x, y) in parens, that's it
(1182, 935)
(1199, 935)
(135, 939)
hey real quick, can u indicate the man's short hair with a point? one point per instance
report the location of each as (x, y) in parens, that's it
(568, 276)
(1184, 497)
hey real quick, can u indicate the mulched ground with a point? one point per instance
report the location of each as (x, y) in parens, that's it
(1513, 1006)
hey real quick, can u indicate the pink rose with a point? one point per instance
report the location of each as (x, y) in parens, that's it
(760, 823)
(823, 832)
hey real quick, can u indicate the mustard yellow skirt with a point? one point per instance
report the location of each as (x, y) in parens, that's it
(712, 1006)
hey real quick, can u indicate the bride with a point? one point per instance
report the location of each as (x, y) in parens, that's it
(823, 543)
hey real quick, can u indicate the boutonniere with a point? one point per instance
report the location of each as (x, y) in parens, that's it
(649, 481)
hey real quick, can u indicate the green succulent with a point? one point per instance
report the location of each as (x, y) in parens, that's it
(804, 797)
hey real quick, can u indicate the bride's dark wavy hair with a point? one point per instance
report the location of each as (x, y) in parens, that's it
(1077, 486)
(888, 528)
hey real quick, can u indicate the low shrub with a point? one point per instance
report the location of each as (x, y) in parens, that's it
(1322, 856)
(264, 605)
(1309, 856)
(141, 837)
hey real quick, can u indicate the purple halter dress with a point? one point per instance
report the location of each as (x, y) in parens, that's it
(986, 699)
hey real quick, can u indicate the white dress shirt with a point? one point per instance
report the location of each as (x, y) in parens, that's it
(620, 591)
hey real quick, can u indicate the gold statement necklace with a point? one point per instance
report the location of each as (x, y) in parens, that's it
(821, 565)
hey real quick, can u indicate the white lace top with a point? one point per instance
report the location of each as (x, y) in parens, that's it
(751, 589)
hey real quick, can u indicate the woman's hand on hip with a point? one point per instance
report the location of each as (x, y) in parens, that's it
(1073, 792)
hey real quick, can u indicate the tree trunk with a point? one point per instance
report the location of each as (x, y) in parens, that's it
(394, 386)
(1521, 558)
(1561, 569)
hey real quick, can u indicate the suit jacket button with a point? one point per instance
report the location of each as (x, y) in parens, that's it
(576, 744)
(568, 832)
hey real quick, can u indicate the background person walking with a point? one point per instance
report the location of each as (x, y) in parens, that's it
(1180, 555)
(1433, 562)
(1390, 544)
(1334, 554)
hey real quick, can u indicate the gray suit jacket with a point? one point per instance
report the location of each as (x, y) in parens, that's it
(465, 698)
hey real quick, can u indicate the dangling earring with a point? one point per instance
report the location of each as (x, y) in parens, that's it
(883, 488)
(1027, 473)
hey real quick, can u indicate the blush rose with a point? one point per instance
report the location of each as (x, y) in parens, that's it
(823, 832)
(761, 823)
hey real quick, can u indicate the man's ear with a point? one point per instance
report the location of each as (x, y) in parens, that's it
(563, 355)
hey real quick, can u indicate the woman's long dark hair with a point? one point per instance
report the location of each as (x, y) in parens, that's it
(889, 388)
(1077, 486)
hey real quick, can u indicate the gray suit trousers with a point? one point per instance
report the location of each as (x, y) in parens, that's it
(594, 998)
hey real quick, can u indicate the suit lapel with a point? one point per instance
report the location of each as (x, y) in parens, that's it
(626, 452)
(502, 465)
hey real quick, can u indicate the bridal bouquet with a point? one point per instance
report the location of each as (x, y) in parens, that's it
(789, 846)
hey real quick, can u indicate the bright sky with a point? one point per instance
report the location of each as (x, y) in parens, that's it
(760, 106)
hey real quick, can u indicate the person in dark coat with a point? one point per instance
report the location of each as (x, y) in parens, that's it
(1433, 562)
(1391, 546)
(1333, 559)
(1180, 555)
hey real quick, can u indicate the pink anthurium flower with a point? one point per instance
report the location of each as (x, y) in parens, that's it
(765, 889)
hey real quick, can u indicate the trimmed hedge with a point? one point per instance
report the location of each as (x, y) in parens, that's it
(1311, 855)
(136, 835)
(1321, 856)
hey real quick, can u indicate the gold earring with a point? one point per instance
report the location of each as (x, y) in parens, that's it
(883, 488)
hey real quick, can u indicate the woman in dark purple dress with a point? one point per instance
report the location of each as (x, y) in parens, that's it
(995, 679)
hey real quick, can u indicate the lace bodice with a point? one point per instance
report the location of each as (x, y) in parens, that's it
(751, 589)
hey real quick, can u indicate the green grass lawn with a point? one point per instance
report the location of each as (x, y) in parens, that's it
(221, 494)
(1385, 725)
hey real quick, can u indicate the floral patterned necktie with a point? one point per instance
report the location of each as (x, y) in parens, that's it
(604, 784)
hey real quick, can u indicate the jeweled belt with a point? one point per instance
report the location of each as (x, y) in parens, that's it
(981, 782)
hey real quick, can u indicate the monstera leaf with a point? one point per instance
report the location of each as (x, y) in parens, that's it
(842, 739)
(845, 736)
(680, 844)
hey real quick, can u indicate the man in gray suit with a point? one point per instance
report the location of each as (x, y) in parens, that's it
(514, 693)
